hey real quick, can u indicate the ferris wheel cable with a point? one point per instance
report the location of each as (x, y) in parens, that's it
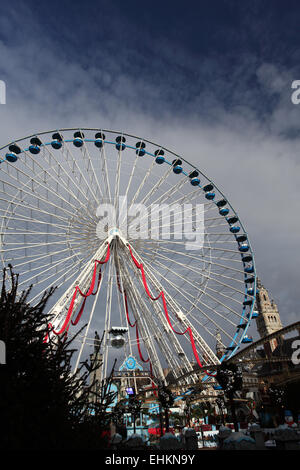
(214, 264)
(209, 295)
(215, 323)
(87, 327)
(43, 279)
(195, 270)
(51, 264)
(58, 180)
(117, 182)
(32, 220)
(158, 184)
(107, 320)
(202, 272)
(26, 219)
(155, 327)
(67, 150)
(93, 169)
(41, 184)
(143, 181)
(211, 248)
(170, 192)
(105, 173)
(37, 209)
(167, 298)
(65, 271)
(119, 296)
(179, 201)
(129, 182)
(69, 175)
(154, 360)
(62, 312)
(194, 303)
(35, 257)
(27, 232)
(190, 197)
(34, 245)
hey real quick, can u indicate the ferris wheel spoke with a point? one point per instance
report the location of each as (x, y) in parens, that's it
(40, 199)
(202, 273)
(93, 180)
(143, 182)
(69, 175)
(205, 349)
(58, 277)
(34, 245)
(66, 149)
(195, 270)
(146, 336)
(164, 345)
(41, 185)
(57, 179)
(32, 259)
(105, 174)
(201, 290)
(186, 255)
(195, 301)
(45, 268)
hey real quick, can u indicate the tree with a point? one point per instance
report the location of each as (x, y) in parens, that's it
(42, 405)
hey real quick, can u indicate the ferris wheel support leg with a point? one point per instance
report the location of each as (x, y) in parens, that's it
(83, 281)
(208, 355)
(87, 328)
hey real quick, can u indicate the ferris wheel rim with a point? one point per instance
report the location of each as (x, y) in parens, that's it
(191, 165)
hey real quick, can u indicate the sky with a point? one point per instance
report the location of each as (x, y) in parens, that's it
(210, 80)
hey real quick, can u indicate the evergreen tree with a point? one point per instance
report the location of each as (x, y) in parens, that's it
(42, 405)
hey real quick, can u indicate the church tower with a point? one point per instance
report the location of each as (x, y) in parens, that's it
(268, 320)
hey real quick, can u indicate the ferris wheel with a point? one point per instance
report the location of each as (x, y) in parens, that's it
(139, 242)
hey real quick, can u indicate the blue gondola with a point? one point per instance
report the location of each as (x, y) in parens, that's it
(194, 174)
(56, 144)
(11, 157)
(232, 220)
(210, 196)
(140, 149)
(224, 212)
(159, 154)
(99, 139)
(57, 141)
(34, 149)
(244, 248)
(195, 181)
(221, 203)
(235, 229)
(177, 169)
(209, 187)
(120, 145)
(249, 269)
(247, 340)
(78, 139)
